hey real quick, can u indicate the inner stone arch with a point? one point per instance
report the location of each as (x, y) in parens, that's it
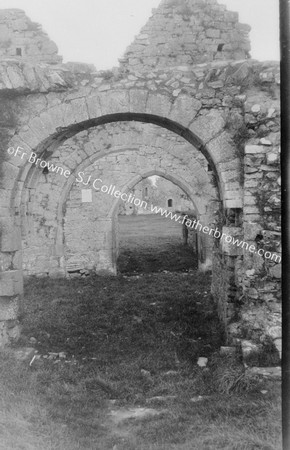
(91, 237)
(97, 223)
(118, 152)
(46, 148)
(149, 235)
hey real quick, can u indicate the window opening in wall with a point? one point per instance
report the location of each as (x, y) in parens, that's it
(170, 203)
(220, 47)
(19, 51)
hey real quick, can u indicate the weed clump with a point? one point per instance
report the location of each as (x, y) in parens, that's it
(228, 375)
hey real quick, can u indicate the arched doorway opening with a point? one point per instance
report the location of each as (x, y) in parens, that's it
(150, 236)
(91, 243)
(25, 187)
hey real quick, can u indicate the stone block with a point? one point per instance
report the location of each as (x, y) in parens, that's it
(222, 149)
(158, 105)
(5, 261)
(276, 271)
(251, 210)
(17, 260)
(4, 336)
(184, 110)
(11, 283)
(138, 100)
(56, 113)
(232, 194)
(49, 121)
(16, 77)
(11, 173)
(216, 84)
(251, 230)
(38, 128)
(254, 149)
(10, 239)
(229, 176)
(266, 142)
(251, 183)
(75, 111)
(114, 102)
(233, 203)
(272, 158)
(249, 200)
(9, 307)
(275, 332)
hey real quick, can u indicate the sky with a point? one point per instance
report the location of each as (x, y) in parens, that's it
(99, 31)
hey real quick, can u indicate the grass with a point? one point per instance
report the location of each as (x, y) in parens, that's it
(126, 340)
(151, 243)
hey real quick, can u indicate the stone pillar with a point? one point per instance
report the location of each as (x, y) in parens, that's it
(261, 308)
(11, 280)
(224, 283)
(107, 263)
(205, 244)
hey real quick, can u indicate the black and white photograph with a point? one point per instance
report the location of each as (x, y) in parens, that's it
(142, 165)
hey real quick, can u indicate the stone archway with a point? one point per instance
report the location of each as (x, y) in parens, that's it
(130, 185)
(103, 222)
(180, 157)
(65, 115)
(44, 133)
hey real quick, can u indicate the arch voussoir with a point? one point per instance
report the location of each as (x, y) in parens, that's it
(94, 106)
(158, 105)
(75, 111)
(117, 101)
(138, 100)
(184, 110)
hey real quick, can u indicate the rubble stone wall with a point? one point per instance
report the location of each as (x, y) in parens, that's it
(24, 40)
(186, 33)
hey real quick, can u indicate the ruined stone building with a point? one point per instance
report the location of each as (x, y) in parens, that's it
(187, 104)
(159, 192)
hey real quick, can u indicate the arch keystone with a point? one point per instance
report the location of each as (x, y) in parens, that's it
(93, 105)
(158, 105)
(114, 102)
(138, 100)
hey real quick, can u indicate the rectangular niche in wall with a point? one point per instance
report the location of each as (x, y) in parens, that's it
(87, 196)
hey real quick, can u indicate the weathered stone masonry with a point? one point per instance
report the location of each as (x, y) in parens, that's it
(218, 111)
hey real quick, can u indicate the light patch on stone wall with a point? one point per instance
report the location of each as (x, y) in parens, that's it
(87, 196)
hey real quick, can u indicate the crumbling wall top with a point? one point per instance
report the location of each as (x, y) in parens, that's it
(22, 39)
(188, 32)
